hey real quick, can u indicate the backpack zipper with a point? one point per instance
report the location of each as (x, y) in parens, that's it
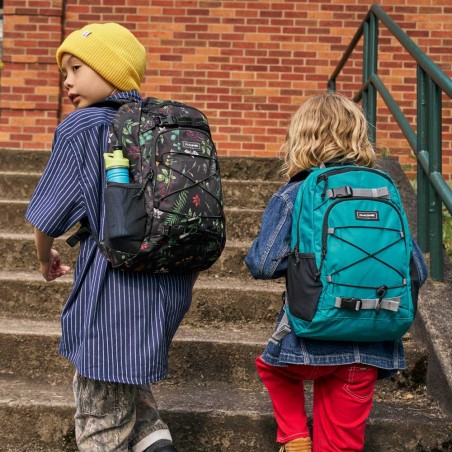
(331, 172)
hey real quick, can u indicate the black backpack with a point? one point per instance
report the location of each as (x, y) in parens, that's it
(170, 217)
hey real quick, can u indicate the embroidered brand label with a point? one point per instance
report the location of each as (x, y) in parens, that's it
(367, 215)
(191, 146)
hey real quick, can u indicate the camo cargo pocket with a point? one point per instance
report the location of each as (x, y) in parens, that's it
(125, 217)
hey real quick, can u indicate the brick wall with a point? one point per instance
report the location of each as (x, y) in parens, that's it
(246, 63)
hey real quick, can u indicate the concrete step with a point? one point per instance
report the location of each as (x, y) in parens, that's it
(236, 193)
(29, 348)
(242, 224)
(23, 160)
(226, 300)
(200, 419)
(245, 168)
(209, 355)
(12, 218)
(18, 253)
(37, 417)
(18, 185)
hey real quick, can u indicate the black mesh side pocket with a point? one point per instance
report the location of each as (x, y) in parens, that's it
(415, 283)
(125, 217)
(303, 286)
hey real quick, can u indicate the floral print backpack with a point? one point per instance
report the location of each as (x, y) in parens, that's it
(170, 217)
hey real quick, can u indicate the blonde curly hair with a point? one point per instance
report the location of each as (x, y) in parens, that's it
(327, 126)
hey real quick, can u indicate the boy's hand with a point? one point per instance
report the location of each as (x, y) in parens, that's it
(52, 268)
(49, 258)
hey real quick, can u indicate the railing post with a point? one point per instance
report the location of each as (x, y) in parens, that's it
(332, 85)
(432, 190)
(370, 51)
(422, 178)
(435, 166)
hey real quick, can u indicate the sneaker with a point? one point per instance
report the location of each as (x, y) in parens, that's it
(161, 446)
(165, 448)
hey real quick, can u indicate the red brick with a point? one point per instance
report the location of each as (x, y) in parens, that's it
(235, 59)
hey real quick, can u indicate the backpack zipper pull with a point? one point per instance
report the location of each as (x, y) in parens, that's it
(296, 253)
(381, 292)
(322, 258)
(324, 178)
(140, 193)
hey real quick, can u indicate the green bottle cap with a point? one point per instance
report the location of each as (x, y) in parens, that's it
(116, 159)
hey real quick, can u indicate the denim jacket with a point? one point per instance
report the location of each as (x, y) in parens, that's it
(267, 259)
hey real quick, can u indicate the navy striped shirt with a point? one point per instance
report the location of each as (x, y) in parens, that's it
(116, 326)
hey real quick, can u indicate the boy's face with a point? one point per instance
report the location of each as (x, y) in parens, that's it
(83, 84)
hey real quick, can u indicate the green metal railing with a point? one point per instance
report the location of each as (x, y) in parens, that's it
(432, 190)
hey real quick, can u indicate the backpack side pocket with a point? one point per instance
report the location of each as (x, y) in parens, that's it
(415, 283)
(125, 217)
(303, 286)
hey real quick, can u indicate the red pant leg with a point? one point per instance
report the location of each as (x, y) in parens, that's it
(342, 404)
(286, 389)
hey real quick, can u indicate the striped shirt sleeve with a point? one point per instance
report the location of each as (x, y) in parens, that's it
(56, 204)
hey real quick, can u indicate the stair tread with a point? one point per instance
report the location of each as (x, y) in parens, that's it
(195, 398)
(23, 392)
(29, 236)
(226, 180)
(245, 334)
(14, 201)
(21, 173)
(23, 201)
(205, 281)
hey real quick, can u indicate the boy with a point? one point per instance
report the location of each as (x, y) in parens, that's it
(116, 326)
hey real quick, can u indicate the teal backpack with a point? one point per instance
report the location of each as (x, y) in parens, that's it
(350, 276)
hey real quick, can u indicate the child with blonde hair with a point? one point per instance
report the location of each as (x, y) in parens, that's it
(328, 129)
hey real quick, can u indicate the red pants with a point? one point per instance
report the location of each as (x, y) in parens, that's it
(342, 403)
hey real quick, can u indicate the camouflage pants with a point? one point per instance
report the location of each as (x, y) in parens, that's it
(116, 417)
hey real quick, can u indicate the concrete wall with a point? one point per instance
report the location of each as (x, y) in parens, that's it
(246, 63)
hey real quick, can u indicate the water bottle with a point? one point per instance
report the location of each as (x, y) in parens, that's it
(117, 166)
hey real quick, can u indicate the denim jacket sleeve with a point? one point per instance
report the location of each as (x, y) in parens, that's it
(267, 257)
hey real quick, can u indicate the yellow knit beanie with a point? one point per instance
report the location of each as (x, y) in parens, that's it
(111, 50)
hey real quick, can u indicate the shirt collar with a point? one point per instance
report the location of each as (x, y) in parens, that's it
(132, 95)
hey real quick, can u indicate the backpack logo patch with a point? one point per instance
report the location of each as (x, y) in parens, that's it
(367, 215)
(190, 146)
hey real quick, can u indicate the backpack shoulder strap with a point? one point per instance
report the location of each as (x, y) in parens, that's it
(83, 231)
(301, 176)
(112, 103)
(283, 328)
